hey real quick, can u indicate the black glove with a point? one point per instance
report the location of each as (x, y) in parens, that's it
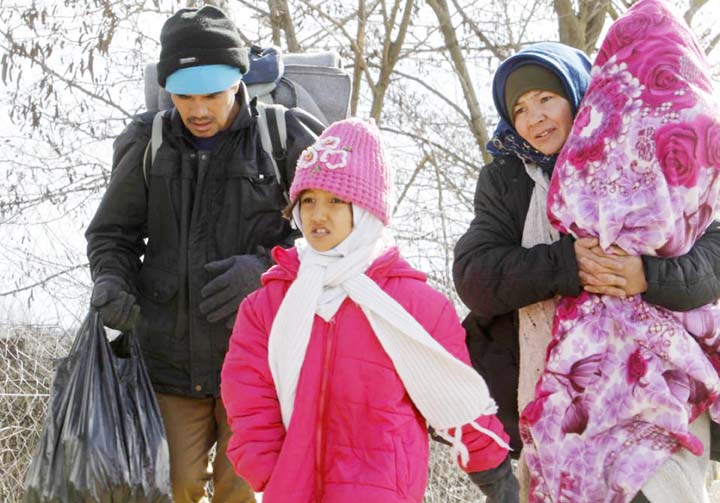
(499, 485)
(116, 305)
(239, 276)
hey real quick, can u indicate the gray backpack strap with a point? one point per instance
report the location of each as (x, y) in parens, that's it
(262, 91)
(281, 127)
(156, 138)
(273, 136)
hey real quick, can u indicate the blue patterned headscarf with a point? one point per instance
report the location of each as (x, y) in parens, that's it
(571, 66)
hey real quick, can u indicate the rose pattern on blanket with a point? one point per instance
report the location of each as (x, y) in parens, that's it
(640, 170)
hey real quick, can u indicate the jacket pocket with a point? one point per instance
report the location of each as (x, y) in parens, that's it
(258, 185)
(158, 288)
(164, 199)
(361, 465)
(167, 164)
(246, 211)
(158, 285)
(402, 468)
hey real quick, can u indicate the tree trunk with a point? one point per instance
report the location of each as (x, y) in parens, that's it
(359, 64)
(281, 21)
(581, 29)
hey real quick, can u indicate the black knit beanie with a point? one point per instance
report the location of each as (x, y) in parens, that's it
(530, 78)
(198, 37)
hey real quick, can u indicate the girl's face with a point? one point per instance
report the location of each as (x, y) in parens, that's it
(544, 119)
(325, 218)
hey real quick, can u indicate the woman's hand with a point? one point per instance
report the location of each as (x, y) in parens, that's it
(613, 273)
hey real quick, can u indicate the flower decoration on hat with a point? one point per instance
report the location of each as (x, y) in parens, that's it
(308, 158)
(329, 142)
(325, 153)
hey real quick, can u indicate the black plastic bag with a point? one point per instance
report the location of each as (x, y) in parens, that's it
(104, 439)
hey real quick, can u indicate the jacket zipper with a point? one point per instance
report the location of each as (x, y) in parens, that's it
(320, 440)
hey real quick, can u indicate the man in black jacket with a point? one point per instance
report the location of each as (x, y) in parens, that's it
(175, 250)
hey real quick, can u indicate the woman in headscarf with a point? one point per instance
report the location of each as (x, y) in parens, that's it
(512, 264)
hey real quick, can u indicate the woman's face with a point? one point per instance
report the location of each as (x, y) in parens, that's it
(544, 120)
(325, 218)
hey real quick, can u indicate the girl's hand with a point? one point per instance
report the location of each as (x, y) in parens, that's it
(613, 273)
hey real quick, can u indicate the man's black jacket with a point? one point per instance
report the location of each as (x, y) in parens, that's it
(197, 207)
(495, 276)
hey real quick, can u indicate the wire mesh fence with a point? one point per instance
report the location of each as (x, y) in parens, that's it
(27, 363)
(28, 357)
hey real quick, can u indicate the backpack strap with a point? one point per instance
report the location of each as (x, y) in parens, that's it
(156, 138)
(273, 136)
(262, 91)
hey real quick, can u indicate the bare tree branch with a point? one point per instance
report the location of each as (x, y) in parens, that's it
(713, 43)
(20, 50)
(460, 159)
(315, 38)
(461, 112)
(443, 222)
(420, 166)
(612, 10)
(357, 51)
(390, 56)
(497, 50)
(526, 24)
(695, 5)
(478, 126)
(253, 5)
(45, 280)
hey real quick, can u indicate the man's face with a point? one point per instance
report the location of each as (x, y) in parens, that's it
(205, 115)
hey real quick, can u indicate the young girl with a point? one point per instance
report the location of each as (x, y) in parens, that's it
(336, 364)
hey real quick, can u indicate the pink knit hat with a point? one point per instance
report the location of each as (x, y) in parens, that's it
(347, 160)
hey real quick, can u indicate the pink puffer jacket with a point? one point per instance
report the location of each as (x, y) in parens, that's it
(355, 435)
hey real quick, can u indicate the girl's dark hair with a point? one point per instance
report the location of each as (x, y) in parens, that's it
(287, 211)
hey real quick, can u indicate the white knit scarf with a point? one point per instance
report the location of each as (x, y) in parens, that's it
(447, 392)
(537, 229)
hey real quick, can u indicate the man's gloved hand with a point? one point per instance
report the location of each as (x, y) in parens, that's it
(499, 485)
(116, 305)
(238, 276)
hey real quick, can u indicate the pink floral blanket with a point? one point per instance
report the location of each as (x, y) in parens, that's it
(640, 170)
